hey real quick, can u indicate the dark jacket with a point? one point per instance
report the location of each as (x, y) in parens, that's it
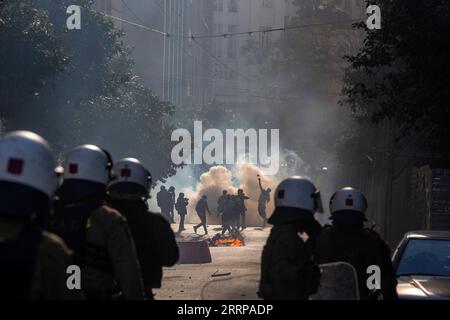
(288, 271)
(361, 248)
(154, 239)
(33, 263)
(181, 205)
(163, 200)
(240, 203)
(221, 202)
(202, 206)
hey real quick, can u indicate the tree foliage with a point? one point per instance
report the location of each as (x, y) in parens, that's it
(78, 86)
(402, 70)
(31, 53)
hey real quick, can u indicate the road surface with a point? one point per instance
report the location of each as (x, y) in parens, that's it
(195, 281)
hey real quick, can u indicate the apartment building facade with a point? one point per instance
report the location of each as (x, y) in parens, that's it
(191, 72)
(235, 81)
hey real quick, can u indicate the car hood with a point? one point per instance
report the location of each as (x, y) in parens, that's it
(423, 287)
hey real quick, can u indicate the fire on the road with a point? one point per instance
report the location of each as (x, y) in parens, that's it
(227, 241)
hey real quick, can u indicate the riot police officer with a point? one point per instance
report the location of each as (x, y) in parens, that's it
(288, 269)
(347, 240)
(98, 234)
(154, 239)
(33, 262)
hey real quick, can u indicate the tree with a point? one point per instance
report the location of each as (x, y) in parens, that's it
(31, 54)
(402, 70)
(91, 95)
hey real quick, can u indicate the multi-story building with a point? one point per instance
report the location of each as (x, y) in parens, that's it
(166, 60)
(235, 80)
(192, 72)
(352, 8)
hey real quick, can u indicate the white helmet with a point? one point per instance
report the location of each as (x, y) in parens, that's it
(298, 192)
(348, 199)
(132, 170)
(26, 158)
(89, 163)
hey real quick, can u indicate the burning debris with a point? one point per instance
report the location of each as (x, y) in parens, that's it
(233, 240)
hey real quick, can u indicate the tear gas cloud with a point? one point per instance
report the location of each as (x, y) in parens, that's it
(242, 175)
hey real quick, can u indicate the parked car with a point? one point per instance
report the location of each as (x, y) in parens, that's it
(422, 265)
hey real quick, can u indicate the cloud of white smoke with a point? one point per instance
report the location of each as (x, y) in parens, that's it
(243, 175)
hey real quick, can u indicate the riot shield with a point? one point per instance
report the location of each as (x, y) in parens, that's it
(338, 281)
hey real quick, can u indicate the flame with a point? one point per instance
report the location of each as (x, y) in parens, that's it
(227, 241)
(230, 242)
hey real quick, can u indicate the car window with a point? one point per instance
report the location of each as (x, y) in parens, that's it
(425, 256)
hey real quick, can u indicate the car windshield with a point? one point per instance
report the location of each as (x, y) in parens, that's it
(425, 257)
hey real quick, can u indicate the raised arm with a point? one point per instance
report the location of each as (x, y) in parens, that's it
(260, 185)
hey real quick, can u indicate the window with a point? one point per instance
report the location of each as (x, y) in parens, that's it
(218, 5)
(232, 6)
(231, 52)
(426, 257)
(267, 3)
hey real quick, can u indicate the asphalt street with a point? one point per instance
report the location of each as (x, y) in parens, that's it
(233, 273)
